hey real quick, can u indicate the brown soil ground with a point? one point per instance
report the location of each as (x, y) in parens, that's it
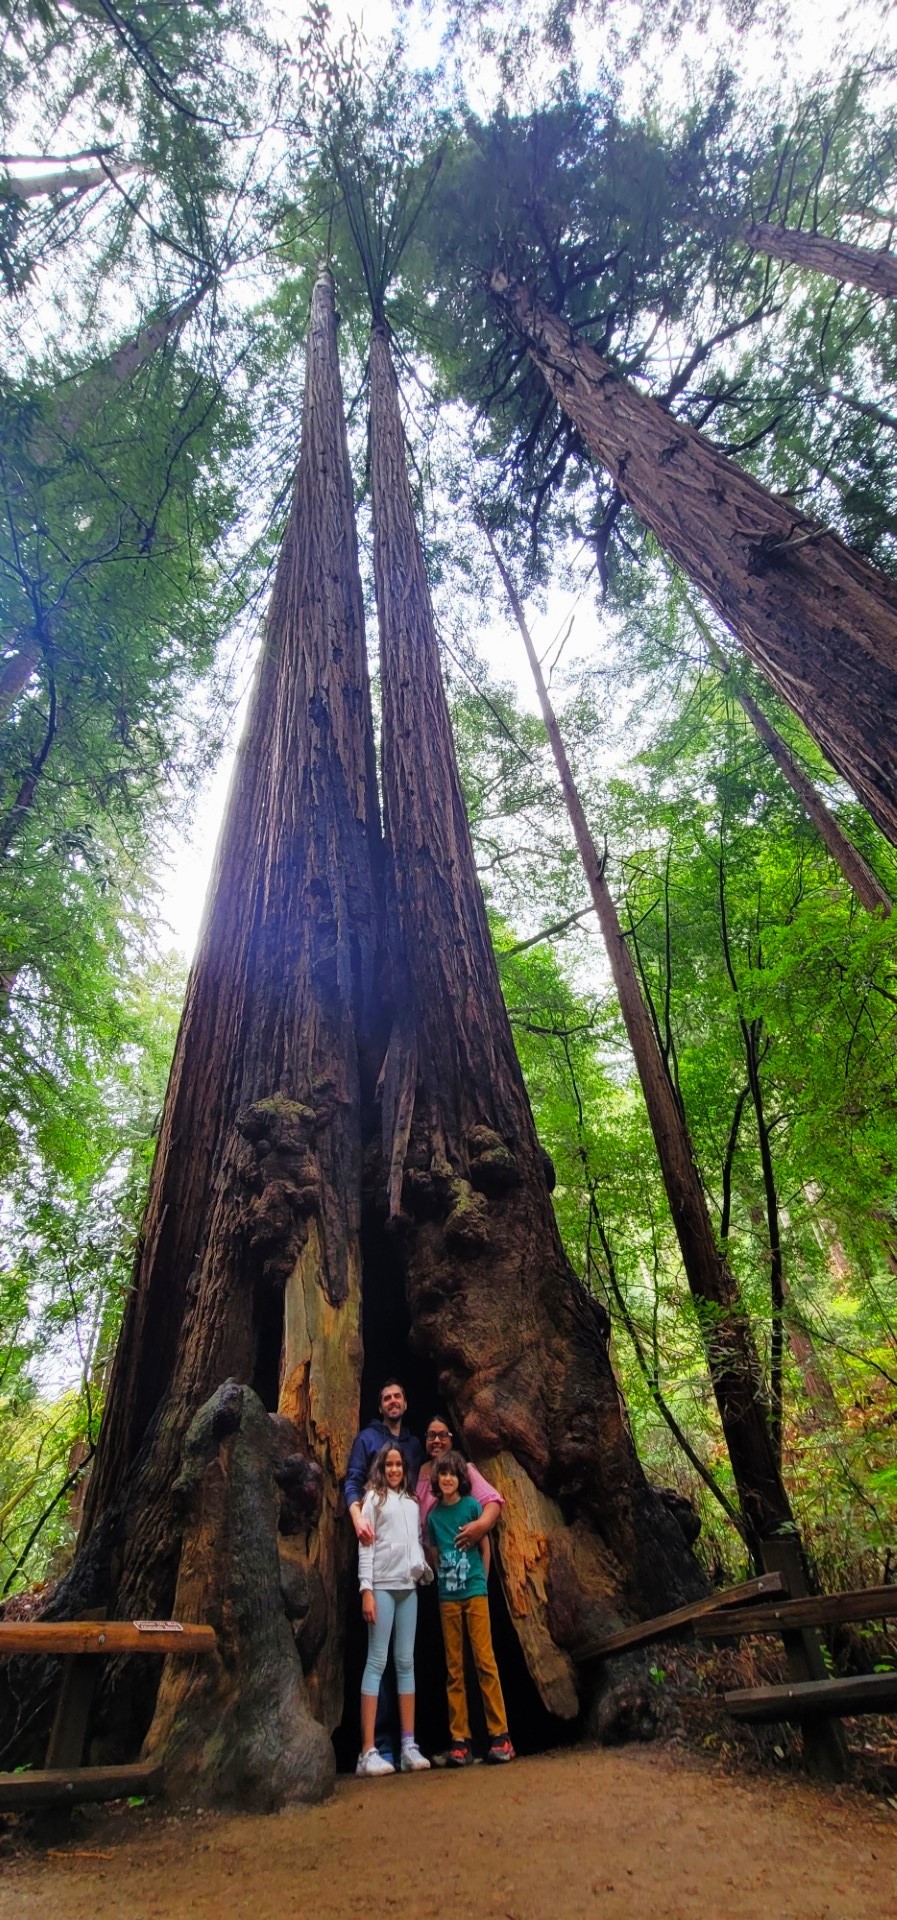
(584, 1832)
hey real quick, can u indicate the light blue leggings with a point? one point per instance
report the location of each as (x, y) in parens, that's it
(399, 1610)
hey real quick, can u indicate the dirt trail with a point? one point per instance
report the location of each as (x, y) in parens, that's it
(558, 1837)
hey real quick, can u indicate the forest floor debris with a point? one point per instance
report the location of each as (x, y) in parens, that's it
(634, 1832)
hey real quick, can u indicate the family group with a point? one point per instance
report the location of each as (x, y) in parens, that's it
(413, 1517)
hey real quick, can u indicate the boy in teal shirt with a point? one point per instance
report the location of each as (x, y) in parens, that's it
(464, 1609)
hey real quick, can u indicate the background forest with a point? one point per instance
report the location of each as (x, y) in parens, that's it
(171, 174)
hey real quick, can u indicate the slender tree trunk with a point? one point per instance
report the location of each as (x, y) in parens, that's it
(819, 622)
(857, 872)
(823, 1409)
(871, 267)
(651, 1374)
(16, 815)
(751, 1033)
(84, 393)
(72, 180)
(520, 1346)
(732, 1358)
(250, 1262)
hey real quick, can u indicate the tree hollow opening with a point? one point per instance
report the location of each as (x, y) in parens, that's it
(389, 1351)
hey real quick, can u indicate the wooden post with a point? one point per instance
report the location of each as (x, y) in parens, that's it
(68, 1733)
(825, 1747)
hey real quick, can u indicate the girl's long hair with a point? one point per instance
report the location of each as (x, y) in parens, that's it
(450, 1463)
(377, 1484)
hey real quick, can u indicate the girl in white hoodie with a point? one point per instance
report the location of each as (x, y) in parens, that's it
(389, 1573)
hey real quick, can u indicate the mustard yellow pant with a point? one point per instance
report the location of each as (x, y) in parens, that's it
(471, 1616)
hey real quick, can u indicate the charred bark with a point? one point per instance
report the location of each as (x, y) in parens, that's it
(520, 1347)
(732, 1359)
(255, 1746)
(818, 622)
(250, 1262)
(874, 268)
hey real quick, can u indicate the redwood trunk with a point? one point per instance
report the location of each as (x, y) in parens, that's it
(819, 622)
(250, 1263)
(85, 393)
(857, 872)
(520, 1347)
(732, 1357)
(871, 267)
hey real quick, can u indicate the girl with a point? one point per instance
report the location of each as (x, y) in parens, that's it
(464, 1608)
(389, 1572)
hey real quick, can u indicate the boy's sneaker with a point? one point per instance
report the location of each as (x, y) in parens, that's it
(372, 1763)
(413, 1761)
(459, 1755)
(500, 1752)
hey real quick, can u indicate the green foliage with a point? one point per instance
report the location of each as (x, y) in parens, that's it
(67, 1239)
(143, 495)
(703, 823)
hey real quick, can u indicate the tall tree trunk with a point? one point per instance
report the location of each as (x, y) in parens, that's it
(857, 872)
(16, 814)
(823, 1410)
(732, 1357)
(520, 1346)
(250, 1261)
(82, 394)
(72, 180)
(819, 622)
(871, 267)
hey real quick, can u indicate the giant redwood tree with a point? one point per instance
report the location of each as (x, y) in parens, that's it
(520, 1347)
(276, 1174)
(818, 621)
(250, 1262)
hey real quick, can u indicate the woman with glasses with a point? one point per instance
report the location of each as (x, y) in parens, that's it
(440, 1440)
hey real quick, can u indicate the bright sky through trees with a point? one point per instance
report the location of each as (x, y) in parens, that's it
(782, 46)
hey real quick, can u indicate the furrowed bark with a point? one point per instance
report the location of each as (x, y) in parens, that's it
(520, 1347)
(857, 872)
(818, 622)
(250, 1264)
(871, 267)
(732, 1358)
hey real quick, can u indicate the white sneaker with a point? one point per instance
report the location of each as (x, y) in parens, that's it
(413, 1761)
(372, 1763)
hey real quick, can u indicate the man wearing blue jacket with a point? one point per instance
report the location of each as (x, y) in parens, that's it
(366, 1446)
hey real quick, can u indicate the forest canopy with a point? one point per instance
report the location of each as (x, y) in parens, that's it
(171, 179)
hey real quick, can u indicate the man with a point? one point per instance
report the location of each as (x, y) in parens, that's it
(439, 1440)
(366, 1446)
